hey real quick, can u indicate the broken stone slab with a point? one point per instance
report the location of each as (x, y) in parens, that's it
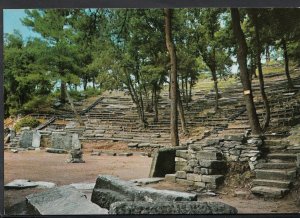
(146, 181)
(36, 139)
(62, 201)
(26, 139)
(83, 186)
(24, 183)
(130, 191)
(75, 141)
(132, 145)
(133, 207)
(56, 150)
(61, 141)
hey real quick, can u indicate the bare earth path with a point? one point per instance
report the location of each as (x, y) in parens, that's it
(43, 166)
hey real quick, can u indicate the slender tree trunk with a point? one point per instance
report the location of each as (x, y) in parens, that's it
(94, 82)
(78, 117)
(85, 83)
(214, 76)
(181, 114)
(286, 63)
(242, 60)
(155, 102)
(268, 54)
(187, 99)
(135, 98)
(173, 78)
(62, 92)
(266, 121)
(191, 85)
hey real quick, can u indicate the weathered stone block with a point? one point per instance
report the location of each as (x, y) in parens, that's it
(132, 192)
(193, 177)
(26, 139)
(214, 179)
(170, 178)
(192, 163)
(206, 155)
(171, 208)
(184, 182)
(200, 184)
(212, 141)
(180, 165)
(36, 139)
(63, 200)
(182, 154)
(238, 138)
(181, 174)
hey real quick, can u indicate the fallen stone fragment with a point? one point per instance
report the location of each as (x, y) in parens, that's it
(114, 189)
(132, 145)
(83, 186)
(62, 201)
(14, 150)
(23, 183)
(146, 181)
(130, 207)
(56, 150)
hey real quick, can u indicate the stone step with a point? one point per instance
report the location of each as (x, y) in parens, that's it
(272, 183)
(275, 165)
(277, 174)
(282, 156)
(271, 192)
(275, 142)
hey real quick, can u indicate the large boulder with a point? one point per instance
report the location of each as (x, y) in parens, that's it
(62, 201)
(109, 189)
(192, 207)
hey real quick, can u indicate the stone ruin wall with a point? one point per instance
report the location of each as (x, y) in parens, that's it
(203, 164)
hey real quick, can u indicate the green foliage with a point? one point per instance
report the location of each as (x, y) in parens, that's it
(26, 122)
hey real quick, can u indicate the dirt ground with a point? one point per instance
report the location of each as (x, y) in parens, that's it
(43, 166)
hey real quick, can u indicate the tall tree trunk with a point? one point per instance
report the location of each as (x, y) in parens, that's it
(173, 78)
(135, 98)
(94, 82)
(214, 76)
(268, 54)
(242, 60)
(85, 83)
(181, 114)
(78, 117)
(187, 98)
(286, 63)
(62, 92)
(191, 85)
(266, 121)
(155, 103)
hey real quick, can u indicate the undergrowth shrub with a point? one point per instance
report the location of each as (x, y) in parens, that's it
(27, 121)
